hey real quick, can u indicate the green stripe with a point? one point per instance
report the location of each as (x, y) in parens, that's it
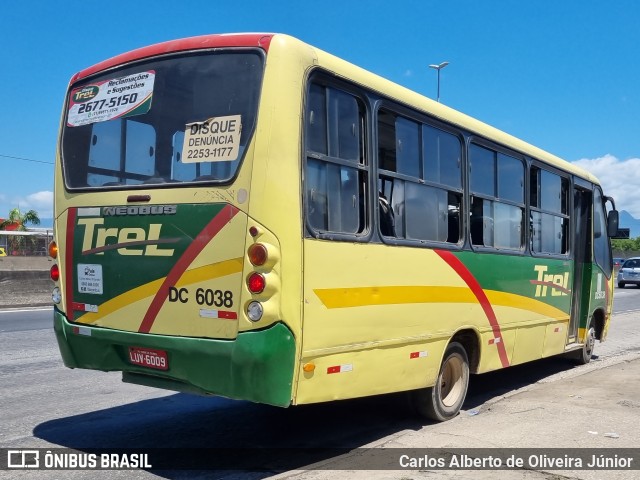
(514, 274)
(256, 366)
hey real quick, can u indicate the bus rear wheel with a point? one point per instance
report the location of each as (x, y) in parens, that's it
(444, 400)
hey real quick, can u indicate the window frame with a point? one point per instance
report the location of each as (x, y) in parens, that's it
(145, 181)
(498, 149)
(422, 119)
(362, 166)
(569, 216)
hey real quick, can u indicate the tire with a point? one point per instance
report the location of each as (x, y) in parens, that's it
(583, 356)
(621, 284)
(443, 401)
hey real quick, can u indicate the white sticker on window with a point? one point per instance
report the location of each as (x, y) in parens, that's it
(214, 140)
(90, 278)
(115, 98)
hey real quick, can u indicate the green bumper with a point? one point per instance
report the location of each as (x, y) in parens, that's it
(256, 366)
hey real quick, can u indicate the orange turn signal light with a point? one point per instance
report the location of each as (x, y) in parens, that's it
(258, 254)
(53, 249)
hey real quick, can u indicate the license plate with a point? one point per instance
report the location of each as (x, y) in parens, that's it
(149, 357)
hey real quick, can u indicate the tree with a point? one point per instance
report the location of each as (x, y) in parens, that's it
(18, 221)
(625, 247)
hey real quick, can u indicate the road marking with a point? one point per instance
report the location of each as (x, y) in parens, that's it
(18, 310)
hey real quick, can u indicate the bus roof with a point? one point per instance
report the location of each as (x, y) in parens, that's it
(261, 40)
(449, 115)
(348, 70)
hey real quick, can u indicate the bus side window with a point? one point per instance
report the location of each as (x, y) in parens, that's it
(420, 179)
(549, 212)
(498, 204)
(335, 176)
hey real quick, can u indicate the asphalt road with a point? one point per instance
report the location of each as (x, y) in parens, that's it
(47, 405)
(626, 299)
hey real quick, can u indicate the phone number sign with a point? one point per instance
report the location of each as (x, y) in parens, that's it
(115, 98)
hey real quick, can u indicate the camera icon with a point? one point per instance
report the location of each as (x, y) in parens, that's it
(23, 459)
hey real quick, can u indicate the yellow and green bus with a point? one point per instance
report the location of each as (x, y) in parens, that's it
(248, 216)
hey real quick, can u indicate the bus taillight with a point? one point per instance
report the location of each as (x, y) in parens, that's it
(256, 283)
(55, 273)
(53, 249)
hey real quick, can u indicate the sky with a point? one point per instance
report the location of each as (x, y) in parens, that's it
(562, 75)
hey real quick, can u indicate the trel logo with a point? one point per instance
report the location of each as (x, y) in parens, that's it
(85, 93)
(128, 241)
(547, 283)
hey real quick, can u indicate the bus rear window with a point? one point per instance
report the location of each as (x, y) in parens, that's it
(186, 118)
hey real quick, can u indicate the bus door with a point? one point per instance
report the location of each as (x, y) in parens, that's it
(582, 202)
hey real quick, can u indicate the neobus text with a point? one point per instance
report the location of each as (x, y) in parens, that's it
(141, 210)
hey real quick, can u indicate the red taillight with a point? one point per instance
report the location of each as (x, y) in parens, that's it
(258, 254)
(256, 283)
(55, 273)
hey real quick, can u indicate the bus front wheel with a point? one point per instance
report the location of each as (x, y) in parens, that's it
(583, 356)
(444, 400)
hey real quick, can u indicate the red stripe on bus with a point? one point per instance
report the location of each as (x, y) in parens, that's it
(197, 245)
(455, 263)
(551, 285)
(335, 369)
(228, 315)
(68, 261)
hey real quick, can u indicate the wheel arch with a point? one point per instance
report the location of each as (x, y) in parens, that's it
(470, 340)
(598, 318)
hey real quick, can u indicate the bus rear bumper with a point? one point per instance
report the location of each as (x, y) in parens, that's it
(256, 366)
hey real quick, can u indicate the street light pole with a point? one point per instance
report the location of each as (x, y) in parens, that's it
(438, 68)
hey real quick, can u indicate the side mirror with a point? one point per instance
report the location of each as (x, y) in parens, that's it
(612, 223)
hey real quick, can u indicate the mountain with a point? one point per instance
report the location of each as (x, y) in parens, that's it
(627, 221)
